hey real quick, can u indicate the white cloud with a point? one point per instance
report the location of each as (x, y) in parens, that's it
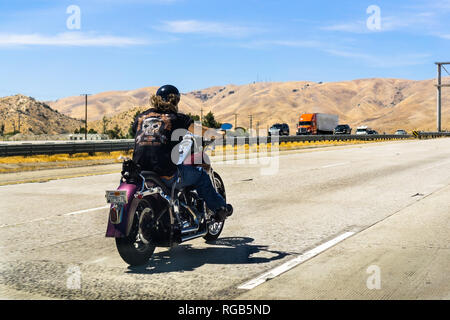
(297, 43)
(122, 2)
(439, 5)
(351, 27)
(371, 60)
(284, 43)
(417, 21)
(388, 23)
(396, 60)
(67, 39)
(206, 28)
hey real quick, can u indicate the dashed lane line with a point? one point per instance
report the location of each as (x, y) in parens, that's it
(294, 262)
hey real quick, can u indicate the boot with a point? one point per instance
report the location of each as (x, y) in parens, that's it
(224, 212)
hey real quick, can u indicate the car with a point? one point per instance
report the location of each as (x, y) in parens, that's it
(279, 129)
(343, 129)
(362, 130)
(372, 131)
(401, 132)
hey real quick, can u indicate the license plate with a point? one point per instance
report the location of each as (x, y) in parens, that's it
(116, 197)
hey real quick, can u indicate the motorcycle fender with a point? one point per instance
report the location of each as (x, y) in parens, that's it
(130, 216)
(122, 230)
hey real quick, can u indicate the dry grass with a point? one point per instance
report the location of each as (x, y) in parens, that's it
(64, 157)
(40, 162)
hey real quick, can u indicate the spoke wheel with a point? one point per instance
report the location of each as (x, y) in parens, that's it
(134, 249)
(215, 227)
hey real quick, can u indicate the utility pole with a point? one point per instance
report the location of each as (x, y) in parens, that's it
(439, 86)
(235, 120)
(201, 115)
(85, 114)
(251, 122)
(19, 121)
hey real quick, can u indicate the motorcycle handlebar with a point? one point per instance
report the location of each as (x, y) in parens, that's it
(202, 141)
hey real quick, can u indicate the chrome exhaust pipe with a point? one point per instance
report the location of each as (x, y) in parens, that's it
(184, 239)
(194, 216)
(184, 231)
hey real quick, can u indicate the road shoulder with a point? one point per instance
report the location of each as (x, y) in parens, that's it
(55, 174)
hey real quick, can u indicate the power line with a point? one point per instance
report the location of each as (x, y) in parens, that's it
(446, 70)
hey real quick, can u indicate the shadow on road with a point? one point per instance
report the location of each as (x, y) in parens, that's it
(223, 251)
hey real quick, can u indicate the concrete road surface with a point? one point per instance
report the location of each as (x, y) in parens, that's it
(392, 197)
(406, 256)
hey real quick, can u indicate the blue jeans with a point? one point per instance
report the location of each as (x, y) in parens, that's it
(199, 179)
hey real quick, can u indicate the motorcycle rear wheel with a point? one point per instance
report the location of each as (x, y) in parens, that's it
(133, 249)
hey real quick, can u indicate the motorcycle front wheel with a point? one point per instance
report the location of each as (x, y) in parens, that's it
(134, 249)
(215, 228)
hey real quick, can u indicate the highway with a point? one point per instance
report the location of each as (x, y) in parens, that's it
(390, 200)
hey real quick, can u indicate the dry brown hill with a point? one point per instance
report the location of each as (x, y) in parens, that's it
(35, 117)
(383, 104)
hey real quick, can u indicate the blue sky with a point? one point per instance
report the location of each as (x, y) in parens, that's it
(194, 44)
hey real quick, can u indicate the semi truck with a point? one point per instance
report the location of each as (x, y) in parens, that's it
(317, 124)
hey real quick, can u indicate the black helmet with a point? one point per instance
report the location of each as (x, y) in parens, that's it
(167, 92)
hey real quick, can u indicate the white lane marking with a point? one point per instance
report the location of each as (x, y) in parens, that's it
(294, 262)
(20, 223)
(336, 165)
(86, 210)
(53, 217)
(98, 260)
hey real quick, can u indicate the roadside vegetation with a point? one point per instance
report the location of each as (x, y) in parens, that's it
(38, 162)
(207, 121)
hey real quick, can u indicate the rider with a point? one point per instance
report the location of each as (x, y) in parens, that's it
(153, 148)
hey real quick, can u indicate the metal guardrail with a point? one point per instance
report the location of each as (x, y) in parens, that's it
(50, 148)
(430, 135)
(30, 149)
(285, 139)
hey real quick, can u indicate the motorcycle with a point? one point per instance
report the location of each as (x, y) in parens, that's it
(145, 213)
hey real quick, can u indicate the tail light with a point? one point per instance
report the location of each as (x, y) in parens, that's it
(115, 215)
